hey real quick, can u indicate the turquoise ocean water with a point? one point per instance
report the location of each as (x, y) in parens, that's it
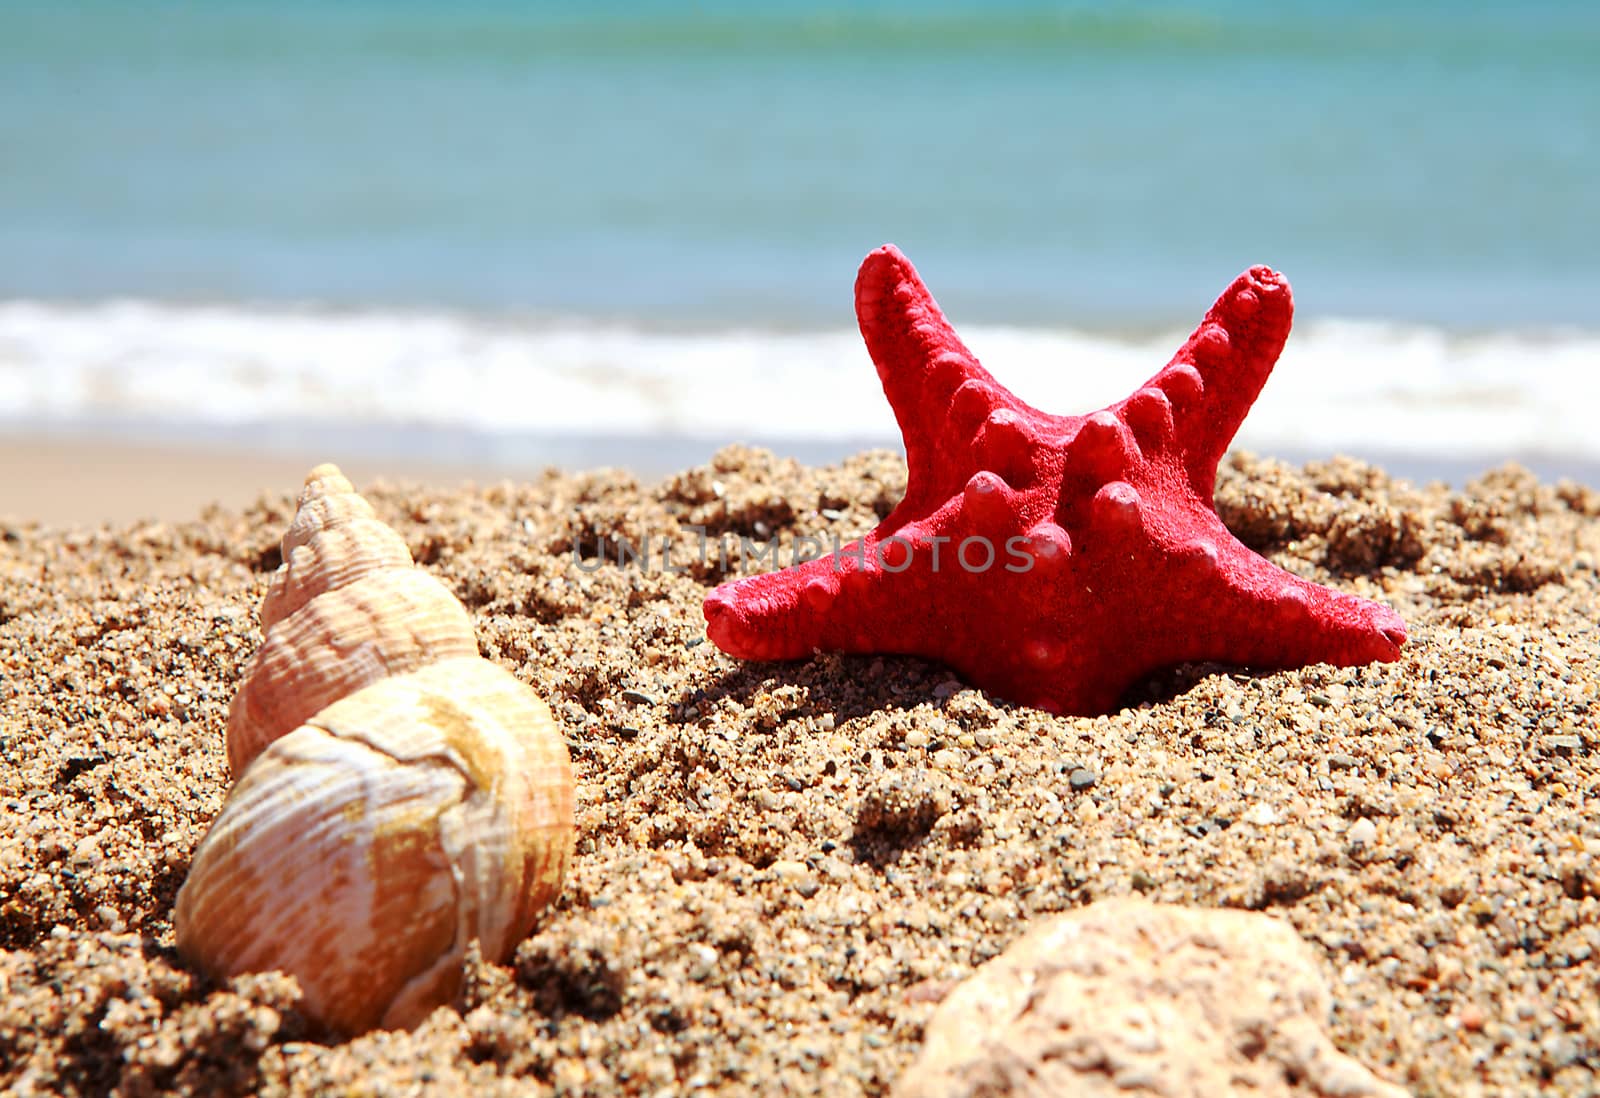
(518, 220)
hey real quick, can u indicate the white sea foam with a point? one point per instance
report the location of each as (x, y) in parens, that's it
(1347, 386)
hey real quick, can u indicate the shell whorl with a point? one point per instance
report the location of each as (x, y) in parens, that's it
(464, 831)
(347, 608)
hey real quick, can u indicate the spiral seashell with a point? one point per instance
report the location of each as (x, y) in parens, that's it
(430, 803)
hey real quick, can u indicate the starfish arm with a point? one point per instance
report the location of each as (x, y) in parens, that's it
(1217, 374)
(771, 616)
(922, 364)
(1263, 616)
(843, 601)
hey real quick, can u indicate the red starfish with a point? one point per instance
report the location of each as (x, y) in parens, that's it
(1054, 560)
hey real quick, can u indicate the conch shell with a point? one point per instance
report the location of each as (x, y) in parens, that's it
(397, 795)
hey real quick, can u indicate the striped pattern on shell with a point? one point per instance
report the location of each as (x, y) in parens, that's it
(397, 796)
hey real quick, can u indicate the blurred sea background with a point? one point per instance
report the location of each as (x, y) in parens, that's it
(504, 234)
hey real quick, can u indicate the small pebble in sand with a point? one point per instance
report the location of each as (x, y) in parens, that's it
(1263, 815)
(703, 960)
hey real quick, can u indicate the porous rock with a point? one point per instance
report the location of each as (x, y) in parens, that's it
(1129, 997)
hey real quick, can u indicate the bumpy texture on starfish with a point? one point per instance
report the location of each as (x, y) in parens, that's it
(1054, 560)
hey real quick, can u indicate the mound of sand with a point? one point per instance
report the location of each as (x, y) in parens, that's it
(782, 869)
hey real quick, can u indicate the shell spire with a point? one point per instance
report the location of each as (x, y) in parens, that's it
(397, 795)
(347, 608)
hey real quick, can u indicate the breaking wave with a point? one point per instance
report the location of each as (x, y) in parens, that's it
(1349, 386)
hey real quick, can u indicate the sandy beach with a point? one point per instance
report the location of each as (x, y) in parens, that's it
(56, 480)
(782, 870)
